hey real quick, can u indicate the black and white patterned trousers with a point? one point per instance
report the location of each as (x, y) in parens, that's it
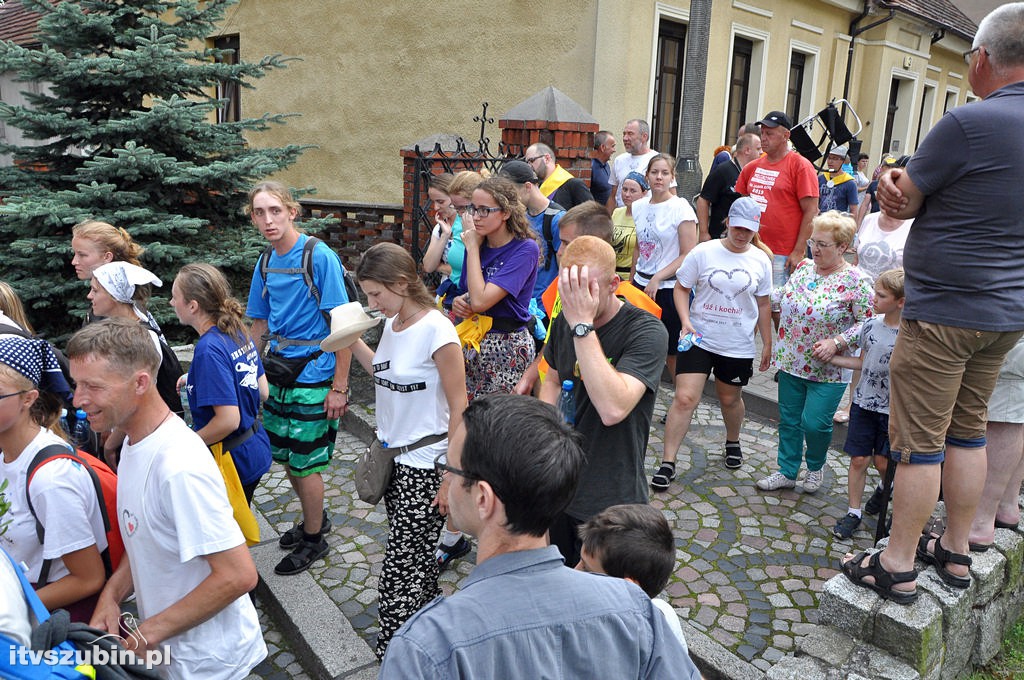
(408, 577)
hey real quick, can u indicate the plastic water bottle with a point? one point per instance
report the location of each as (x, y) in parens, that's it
(64, 424)
(567, 402)
(689, 340)
(81, 435)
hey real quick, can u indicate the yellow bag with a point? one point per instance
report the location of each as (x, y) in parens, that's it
(472, 330)
(236, 496)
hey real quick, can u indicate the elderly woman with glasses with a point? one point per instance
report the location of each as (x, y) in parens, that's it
(502, 255)
(823, 306)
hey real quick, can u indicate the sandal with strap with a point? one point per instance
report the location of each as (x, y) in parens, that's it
(884, 580)
(299, 559)
(940, 558)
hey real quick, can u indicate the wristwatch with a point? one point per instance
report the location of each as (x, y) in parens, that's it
(581, 330)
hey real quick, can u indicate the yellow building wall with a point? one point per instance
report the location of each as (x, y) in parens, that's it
(374, 79)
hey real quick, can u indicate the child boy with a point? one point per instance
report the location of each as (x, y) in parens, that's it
(633, 542)
(868, 434)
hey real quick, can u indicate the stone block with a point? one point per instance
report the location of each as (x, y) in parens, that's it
(714, 661)
(912, 633)
(830, 645)
(958, 621)
(990, 622)
(848, 607)
(1011, 545)
(871, 662)
(323, 639)
(988, 572)
(798, 668)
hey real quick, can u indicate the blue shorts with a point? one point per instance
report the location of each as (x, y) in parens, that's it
(868, 433)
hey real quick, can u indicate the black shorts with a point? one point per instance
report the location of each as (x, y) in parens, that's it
(727, 370)
(669, 316)
(867, 433)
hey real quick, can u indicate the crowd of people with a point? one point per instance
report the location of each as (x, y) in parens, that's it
(514, 403)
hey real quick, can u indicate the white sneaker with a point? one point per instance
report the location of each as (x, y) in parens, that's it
(774, 481)
(813, 480)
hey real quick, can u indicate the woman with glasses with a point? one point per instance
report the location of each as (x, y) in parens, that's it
(823, 306)
(420, 385)
(502, 255)
(451, 196)
(65, 566)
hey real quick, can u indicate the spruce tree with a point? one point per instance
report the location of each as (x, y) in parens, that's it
(127, 134)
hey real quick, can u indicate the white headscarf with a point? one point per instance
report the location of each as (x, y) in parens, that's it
(120, 279)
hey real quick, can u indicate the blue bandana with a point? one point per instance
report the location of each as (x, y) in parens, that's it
(639, 179)
(35, 359)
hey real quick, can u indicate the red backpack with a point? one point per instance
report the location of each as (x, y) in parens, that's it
(104, 480)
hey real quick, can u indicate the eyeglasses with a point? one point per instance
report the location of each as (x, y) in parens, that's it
(444, 467)
(481, 211)
(12, 394)
(463, 209)
(535, 158)
(969, 53)
(811, 243)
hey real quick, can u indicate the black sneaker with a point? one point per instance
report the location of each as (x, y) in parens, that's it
(299, 559)
(293, 536)
(449, 555)
(733, 456)
(874, 504)
(845, 527)
(663, 477)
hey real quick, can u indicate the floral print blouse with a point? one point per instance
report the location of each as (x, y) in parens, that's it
(815, 308)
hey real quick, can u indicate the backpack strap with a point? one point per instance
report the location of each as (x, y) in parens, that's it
(549, 232)
(8, 329)
(45, 455)
(306, 269)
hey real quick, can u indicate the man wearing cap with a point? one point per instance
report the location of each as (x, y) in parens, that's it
(613, 353)
(557, 183)
(719, 190)
(785, 187)
(543, 215)
(600, 170)
(837, 188)
(301, 415)
(731, 279)
(635, 138)
(964, 311)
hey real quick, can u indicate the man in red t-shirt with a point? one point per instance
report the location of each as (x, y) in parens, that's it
(785, 186)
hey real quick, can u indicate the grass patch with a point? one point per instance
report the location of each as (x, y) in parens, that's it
(1009, 663)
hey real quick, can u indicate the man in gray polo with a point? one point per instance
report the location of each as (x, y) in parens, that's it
(512, 466)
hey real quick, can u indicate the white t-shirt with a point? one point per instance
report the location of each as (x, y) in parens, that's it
(411, 403)
(657, 235)
(64, 499)
(673, 620)
(173, 509)
(623, 165)
(14, 615)
(878, 250)
(726, 286)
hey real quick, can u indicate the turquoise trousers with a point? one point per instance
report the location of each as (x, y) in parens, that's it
(805, 415)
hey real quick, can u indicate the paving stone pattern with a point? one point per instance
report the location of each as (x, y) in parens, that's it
(751, 564)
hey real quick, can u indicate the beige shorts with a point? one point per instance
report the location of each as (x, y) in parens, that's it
(941, 378)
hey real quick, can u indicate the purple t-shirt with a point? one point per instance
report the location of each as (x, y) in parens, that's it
(512, 267)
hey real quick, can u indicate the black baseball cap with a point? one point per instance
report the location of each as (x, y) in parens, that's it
(775, 119)
(519, 172)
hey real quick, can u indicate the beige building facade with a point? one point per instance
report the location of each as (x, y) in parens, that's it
(370, 79)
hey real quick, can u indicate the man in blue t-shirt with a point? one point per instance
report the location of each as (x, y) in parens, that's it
(837, 189)
(964, 311)
(301, 415)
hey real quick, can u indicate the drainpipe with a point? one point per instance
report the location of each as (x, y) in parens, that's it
(856, 30)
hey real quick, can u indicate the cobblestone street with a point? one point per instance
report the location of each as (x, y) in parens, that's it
(750, 564)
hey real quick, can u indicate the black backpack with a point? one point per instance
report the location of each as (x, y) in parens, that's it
(168, 374)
